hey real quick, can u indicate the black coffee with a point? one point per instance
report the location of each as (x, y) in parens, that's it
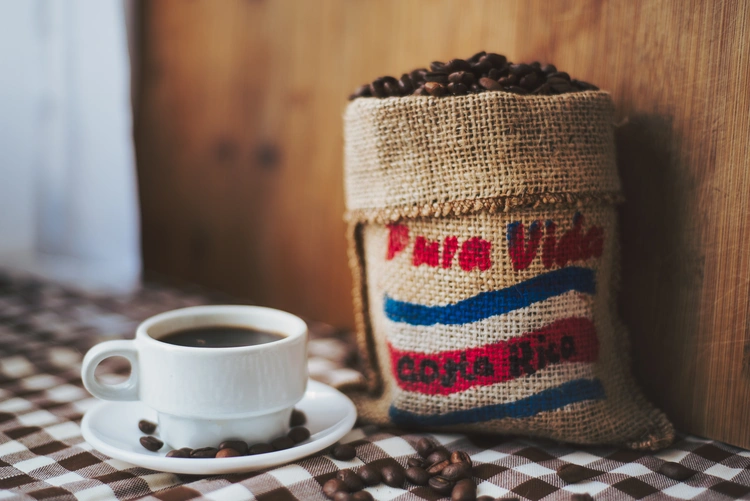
(220, 336)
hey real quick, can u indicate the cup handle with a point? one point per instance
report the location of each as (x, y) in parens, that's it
(127, 390)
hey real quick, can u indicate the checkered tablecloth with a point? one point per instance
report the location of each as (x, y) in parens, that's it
(46, 329)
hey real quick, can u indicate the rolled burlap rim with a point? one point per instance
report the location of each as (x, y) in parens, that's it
(415, 156)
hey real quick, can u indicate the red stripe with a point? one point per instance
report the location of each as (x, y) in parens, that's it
(565, 340)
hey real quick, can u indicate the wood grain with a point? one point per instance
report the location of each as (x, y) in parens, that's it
(238, 137)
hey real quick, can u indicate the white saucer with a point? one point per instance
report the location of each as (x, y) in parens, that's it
(112, 429)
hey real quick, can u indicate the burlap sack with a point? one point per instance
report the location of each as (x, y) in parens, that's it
(484, 251)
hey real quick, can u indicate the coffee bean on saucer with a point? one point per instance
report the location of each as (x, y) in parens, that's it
(342, 496)
(238, 445)
(228, 453)
(333, 486)
(362, 496)
(298, 418)
(393, 475)
(572, 473)
(425, 447)
(343, 452)
(282, 443)
(204, 452)
(441, 485)
(417, 475)
(464, 490)
(419, 463)
(299, 434)
(460, 457)
(456, 471)
(178, 453)
(146, 427)
(437, 468)
(352, 481)
(675, 471)
(151, 443)
(259, 449)
(369, 475)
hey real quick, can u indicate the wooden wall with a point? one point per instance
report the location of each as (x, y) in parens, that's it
(238, 135)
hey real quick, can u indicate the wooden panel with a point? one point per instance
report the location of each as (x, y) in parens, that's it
(239, 146)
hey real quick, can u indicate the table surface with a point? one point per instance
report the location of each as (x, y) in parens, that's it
(45, 330)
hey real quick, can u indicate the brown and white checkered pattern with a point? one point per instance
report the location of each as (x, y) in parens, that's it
(45, 330)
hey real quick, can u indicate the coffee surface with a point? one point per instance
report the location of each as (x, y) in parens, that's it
(220, 336)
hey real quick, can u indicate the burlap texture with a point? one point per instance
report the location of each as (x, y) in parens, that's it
(475, 311)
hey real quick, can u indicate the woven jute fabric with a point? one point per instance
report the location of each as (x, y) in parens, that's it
(483, 241)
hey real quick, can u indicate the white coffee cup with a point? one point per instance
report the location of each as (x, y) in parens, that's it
(204, 396)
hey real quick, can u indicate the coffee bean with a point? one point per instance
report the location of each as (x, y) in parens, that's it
(559, 74)
(439, 77)
(393, 475)
(543, 90)
(481, 68)
(441, 485)
(362, 496)
(456, 471)
(352, 481)
(228, 453)
(437, 66)
(299, 434)
(495, 74)
(434, 89)
(438, 467)
(237, 445)
(457, 65)
(675, 471)
(438, 456)
(204, 452)
(186, 450)
(516, 90)
(178, 453)
(417, 76)
(549, 68)
(507, 81)
(344, 452)
(572, 473)
(369, 475)
(530, 81)
(298, 418)
(458, 89)
(259, 449)
(406, 85)
(581, 497)
(476, 57)
(415, 462)
(146, 427)
(496, 60)
(333, 486)
(421, 91)
(393, 90)
(151, 443)
(417, 475)
(460, 457)
(561, 88)
(342, 496)
(377, 89)
(490, 84)
(425, 447)
(282, 443)
(464, 490)
(584, 85)
(520, 70)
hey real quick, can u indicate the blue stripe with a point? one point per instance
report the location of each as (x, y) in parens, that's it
(489, 304)
(577, 390)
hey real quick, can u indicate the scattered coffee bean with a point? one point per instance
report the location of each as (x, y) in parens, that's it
(352, 481)
(178, 453)
(425, 447)
(362, 496)
(675, 471)
(259, 449)
(204, 452)
(393, 475)
(456, 471)
(151, 443)
(464, 490)
(417, 475)
(438, 456)
(237, 445)
(282, 443)
(460, 457)
(437, 468)
(441, 485)
(369, 475)
(146, 427)
(344, 452)
(581, 497)
(333, 486)
(419, 463)
(572, 473)
(228, 453)
(342, 496)
(298, 418)
(299, 434)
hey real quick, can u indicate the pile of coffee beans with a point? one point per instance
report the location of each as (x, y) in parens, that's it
(481, 72)
(232, 448)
